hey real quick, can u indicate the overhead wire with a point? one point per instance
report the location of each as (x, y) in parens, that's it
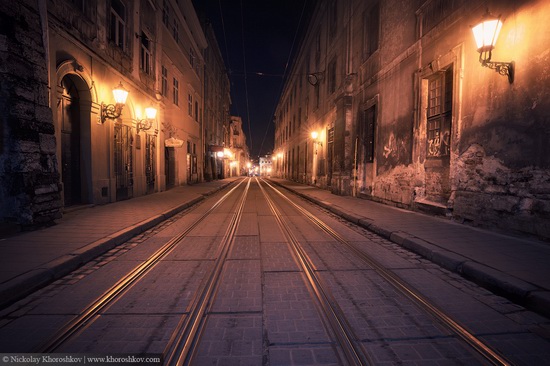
(234, 92)
(284, 72)
(245, 79)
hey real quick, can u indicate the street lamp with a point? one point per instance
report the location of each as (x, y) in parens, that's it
(147, 122)
(486, 35)
(316, 141)
(113, 111)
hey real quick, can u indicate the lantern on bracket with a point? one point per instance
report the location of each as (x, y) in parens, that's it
(113, 111)
(486, 34)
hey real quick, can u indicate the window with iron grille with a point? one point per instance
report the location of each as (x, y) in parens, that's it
(117, 29)
(439, 114)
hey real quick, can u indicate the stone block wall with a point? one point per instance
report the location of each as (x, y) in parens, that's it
(29, 180)
(490, 194)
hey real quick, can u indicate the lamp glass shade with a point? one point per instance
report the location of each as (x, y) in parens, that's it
(314, 135)
(150, 112)
(120, 94)
(486, 34)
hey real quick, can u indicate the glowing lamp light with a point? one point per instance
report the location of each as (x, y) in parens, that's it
(120, 94)
(220, 154)
(147, 123)
(314, 135)
(150, 112)
(113, 111)
(486, 35)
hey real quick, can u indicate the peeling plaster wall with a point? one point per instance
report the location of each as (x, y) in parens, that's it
(492, 194)
(495, 167)
(502, 167)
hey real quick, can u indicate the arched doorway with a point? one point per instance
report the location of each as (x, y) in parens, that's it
(74, 126)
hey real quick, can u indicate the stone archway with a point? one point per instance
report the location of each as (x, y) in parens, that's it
(73, 132)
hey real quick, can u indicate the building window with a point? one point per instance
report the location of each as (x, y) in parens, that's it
(317, 96)
(317, 50)
(146, 54)
(192, 57)
(164, 79)
(371, 31)
(439, 113)
(117, 31)
(190, 104)
(196, 110)
(366, 134)
(175, 29)
(175, 94)
(332, 18)
(166, 13)
(332, 77)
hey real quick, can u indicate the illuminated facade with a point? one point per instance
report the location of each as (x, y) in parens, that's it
(217, 102)
(92, 151)
(236, 153)
(406, 114)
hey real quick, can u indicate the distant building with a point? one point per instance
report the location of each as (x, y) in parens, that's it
(265, 166)
(406, 114)
(236, 152)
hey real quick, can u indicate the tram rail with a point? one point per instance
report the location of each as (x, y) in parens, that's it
(478, 345)
(90, 313)
(350, 349)
(186, 337)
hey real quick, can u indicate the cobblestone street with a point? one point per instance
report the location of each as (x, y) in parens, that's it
(263, 308)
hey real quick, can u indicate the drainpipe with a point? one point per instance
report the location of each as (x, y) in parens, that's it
(43, 11)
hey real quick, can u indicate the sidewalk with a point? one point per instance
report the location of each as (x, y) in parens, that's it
(516, 268)
(31, 260)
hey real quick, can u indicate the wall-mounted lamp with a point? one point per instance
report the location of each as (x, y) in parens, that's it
(315, 138)
(486, 34)
(113, 111)
(147, 122)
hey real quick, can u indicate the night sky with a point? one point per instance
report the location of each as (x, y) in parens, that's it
(267, 29)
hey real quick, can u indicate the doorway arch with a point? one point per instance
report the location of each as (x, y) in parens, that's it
(74, 107)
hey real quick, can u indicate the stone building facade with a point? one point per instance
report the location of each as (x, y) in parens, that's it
(65, 142)
(30, 190)
(406, 114)
(217, 102)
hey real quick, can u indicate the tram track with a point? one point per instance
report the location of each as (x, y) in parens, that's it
(326, 263)
(185, 338)
(475, 343)
(350, 350)
(89, 314)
